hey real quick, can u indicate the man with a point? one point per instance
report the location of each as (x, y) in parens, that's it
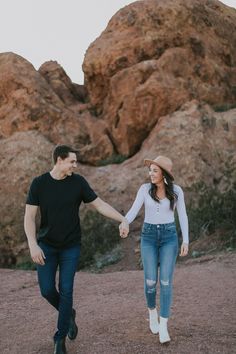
(58, 194)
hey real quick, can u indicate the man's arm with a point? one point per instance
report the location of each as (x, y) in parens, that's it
(36, 253)
(107, 210)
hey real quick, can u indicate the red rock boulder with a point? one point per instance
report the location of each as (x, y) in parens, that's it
(156, 55)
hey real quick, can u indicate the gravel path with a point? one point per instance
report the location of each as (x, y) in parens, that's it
(112, 316)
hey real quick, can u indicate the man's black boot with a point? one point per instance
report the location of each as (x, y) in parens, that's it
(73, 329)
(60, 346)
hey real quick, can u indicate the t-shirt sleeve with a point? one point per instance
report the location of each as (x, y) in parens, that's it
(33, 194)
(88, 194)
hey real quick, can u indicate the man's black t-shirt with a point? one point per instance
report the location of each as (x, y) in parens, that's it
(59, 202)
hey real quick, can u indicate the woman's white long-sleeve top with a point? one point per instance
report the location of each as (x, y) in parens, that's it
(160, 213)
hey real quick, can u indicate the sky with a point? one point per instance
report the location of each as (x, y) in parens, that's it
(60, 30)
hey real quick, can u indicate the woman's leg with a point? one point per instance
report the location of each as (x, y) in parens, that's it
(149, 256)
(168, 255)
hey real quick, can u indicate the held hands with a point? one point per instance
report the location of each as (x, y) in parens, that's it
(124, 228)
(184, 250)
(37, 254)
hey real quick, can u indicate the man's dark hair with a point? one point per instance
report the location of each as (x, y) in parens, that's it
(62, 151)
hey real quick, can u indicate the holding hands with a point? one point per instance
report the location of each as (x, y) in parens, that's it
(124, 228)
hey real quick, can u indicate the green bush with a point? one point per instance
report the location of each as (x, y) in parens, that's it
(215, 212)
(114, 159)
(108, 258)
(99, 235)
(25, 265)
(224, 107)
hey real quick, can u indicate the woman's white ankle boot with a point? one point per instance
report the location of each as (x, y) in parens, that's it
(163, 331)
(153, 321)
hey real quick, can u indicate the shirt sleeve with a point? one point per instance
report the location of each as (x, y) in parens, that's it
(33, 194)
(139, 200)
(182, 215)
(88, 194)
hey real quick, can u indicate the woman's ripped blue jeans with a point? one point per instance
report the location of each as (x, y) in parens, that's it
(159, 246)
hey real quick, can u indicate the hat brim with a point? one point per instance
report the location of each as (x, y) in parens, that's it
(148, 162)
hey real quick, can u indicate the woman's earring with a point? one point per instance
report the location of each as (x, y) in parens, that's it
(165, 181)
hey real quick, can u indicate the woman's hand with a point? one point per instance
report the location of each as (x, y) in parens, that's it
(184, 250)
(124, 228)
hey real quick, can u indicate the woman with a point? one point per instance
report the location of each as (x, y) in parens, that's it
(159, 241)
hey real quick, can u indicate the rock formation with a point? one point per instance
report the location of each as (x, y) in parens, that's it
(156, 55)
(57, 78)
(154, 80)
(193, 137)
(22, 156)
(49, 103)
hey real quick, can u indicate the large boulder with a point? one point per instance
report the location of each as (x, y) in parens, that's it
(27, 101)
(23, 156)
(156, 55)
(201, 143)
(47, 101)
(60, 82)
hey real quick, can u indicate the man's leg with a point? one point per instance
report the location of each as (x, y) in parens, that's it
(47, 275)
(68, 264)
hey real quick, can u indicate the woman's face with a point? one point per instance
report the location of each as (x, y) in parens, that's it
(155, 174)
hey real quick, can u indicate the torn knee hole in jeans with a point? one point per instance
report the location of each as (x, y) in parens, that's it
(165, 282)
(151, 285)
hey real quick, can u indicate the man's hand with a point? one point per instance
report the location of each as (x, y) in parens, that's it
(124, 228)
(37, 254)
(184, 250)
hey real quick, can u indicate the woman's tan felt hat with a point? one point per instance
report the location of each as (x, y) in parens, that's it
(164, 162)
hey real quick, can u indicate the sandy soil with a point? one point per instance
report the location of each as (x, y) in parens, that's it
(112, 316)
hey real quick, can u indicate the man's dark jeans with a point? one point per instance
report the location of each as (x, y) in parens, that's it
(62, 299)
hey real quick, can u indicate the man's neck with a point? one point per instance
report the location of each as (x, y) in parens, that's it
(57, 174)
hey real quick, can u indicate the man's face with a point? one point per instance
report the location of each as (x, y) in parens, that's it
(68, 165)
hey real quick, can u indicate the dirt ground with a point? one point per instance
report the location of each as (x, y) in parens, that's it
(112, 316)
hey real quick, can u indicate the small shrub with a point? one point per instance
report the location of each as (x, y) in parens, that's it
(25, 265)
(102, 260)
(224, 107)
(114, 159)
(215, 212)
(99, 235)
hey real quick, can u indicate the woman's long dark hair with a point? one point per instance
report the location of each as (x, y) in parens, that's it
(169, 189)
